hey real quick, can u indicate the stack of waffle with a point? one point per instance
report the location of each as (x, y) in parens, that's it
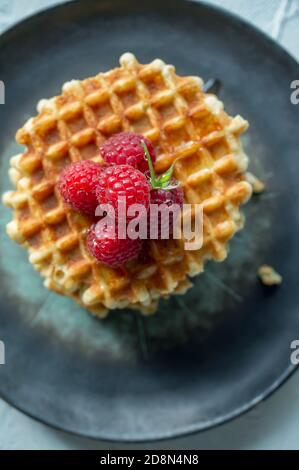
(183, 123)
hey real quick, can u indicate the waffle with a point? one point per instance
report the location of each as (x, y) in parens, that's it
(183, 123)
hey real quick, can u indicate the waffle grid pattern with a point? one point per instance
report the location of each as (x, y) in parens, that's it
(183, 123)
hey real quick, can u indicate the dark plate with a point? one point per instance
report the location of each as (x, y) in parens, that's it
(222, 348)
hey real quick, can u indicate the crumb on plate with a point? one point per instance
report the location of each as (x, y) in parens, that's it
(268, 276)
(258, 186)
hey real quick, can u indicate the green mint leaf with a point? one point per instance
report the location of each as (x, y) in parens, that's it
(166, 177)
(162, 181)
(149, 162)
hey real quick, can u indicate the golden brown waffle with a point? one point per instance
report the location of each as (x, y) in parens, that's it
(182, 121)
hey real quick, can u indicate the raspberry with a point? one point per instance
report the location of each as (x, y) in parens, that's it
(126, 148)
(125, 181)
(168, 197)
(77, 185)
(103, 244)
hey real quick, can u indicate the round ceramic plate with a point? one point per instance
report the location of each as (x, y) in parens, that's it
(205, 357)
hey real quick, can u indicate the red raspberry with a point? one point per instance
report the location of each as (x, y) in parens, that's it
(103, 244)
(125, 148)
(77, 185)
(168, 197)
(125, 181)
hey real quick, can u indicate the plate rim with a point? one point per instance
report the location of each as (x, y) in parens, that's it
(17, 27)
(188, 431)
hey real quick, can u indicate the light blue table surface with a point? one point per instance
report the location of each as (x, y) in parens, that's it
(273, 424)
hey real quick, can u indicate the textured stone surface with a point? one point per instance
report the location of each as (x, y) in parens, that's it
(273, 424)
